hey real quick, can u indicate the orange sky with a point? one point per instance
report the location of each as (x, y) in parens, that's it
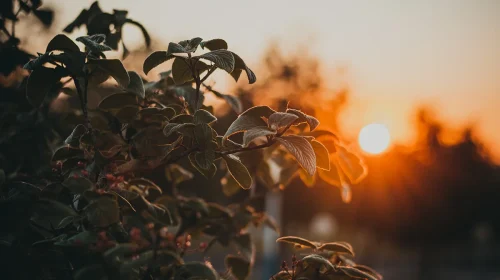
(397, 53)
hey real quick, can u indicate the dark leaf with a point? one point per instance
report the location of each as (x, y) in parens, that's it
(62, 43)
(318, 262)
(115, 68)
(203, 136)
(136, 86)
(195, 270)
(74, 138)
(357, 273)
(103, 211)
(65, 153)
(214, 44)
(239, 66)
(191, 45)
(205, 159)
(93, 43)
(40, 82)
(238, 266)
(118, 100)
(238, 171)
(203, 116)
(155, 59)
(78, 185)
(208, 173)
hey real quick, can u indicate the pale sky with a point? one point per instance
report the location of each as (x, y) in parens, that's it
(398, 53)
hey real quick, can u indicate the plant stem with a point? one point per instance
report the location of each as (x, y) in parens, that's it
(82, 94)
(208, 73)
(180, 156)
(246, 149)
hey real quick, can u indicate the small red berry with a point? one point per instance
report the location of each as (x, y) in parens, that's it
(75, 176)
(81, 164)
(85, 173)
(110, 177)
(203, 245)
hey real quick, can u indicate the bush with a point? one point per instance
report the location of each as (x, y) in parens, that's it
(93, 210)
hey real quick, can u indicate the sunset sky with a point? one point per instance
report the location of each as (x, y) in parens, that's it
(397, 54)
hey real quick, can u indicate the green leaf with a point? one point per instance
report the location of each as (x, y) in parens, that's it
(318, 262)
(322, 155)
(61, 42)
(74, 138)
(249, 119)
(205, 159)
(297, 241)
(279, 120)
(78, 185)
(214, 44)
(203, 136)
(356, 273)
(186, 129)
(191, 45)
(338, 247)
(223, 59)
(203, 116)
(256, 132)
(103, 211)
(304, 118)
(118, 101)
(115, 68)
(37, 62)
(208, 173)
(136, 85)
(238, 171)
(156, 59)
(239, 66)
(181, 71)
(302, 150)
(64, 153)
(117, 254)
(40, 82)
(238, 266)
(195, 270)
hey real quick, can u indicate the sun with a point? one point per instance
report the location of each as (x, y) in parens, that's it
(374, 138)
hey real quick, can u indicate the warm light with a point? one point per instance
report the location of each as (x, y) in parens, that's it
(374, 138)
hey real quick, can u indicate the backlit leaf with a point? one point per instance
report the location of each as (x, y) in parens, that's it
(203, 116)
(351, 165)
(249, 119)
(280, 119)
(338, 247)
(302, 150)
(297, 240)
(118, 101)
(238, 171)
(302, 117)
(239, 66)
(223, 59)
(322, 155)
(256, 132)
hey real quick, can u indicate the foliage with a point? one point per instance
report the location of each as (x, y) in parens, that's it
(98, 215)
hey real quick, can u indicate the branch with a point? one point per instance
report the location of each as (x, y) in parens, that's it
(246, 149)
(208, 73)
(181, 155)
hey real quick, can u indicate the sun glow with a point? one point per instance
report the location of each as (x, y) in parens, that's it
(374, 138)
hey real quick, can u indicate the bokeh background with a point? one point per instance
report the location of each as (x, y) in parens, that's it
(428, 70)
